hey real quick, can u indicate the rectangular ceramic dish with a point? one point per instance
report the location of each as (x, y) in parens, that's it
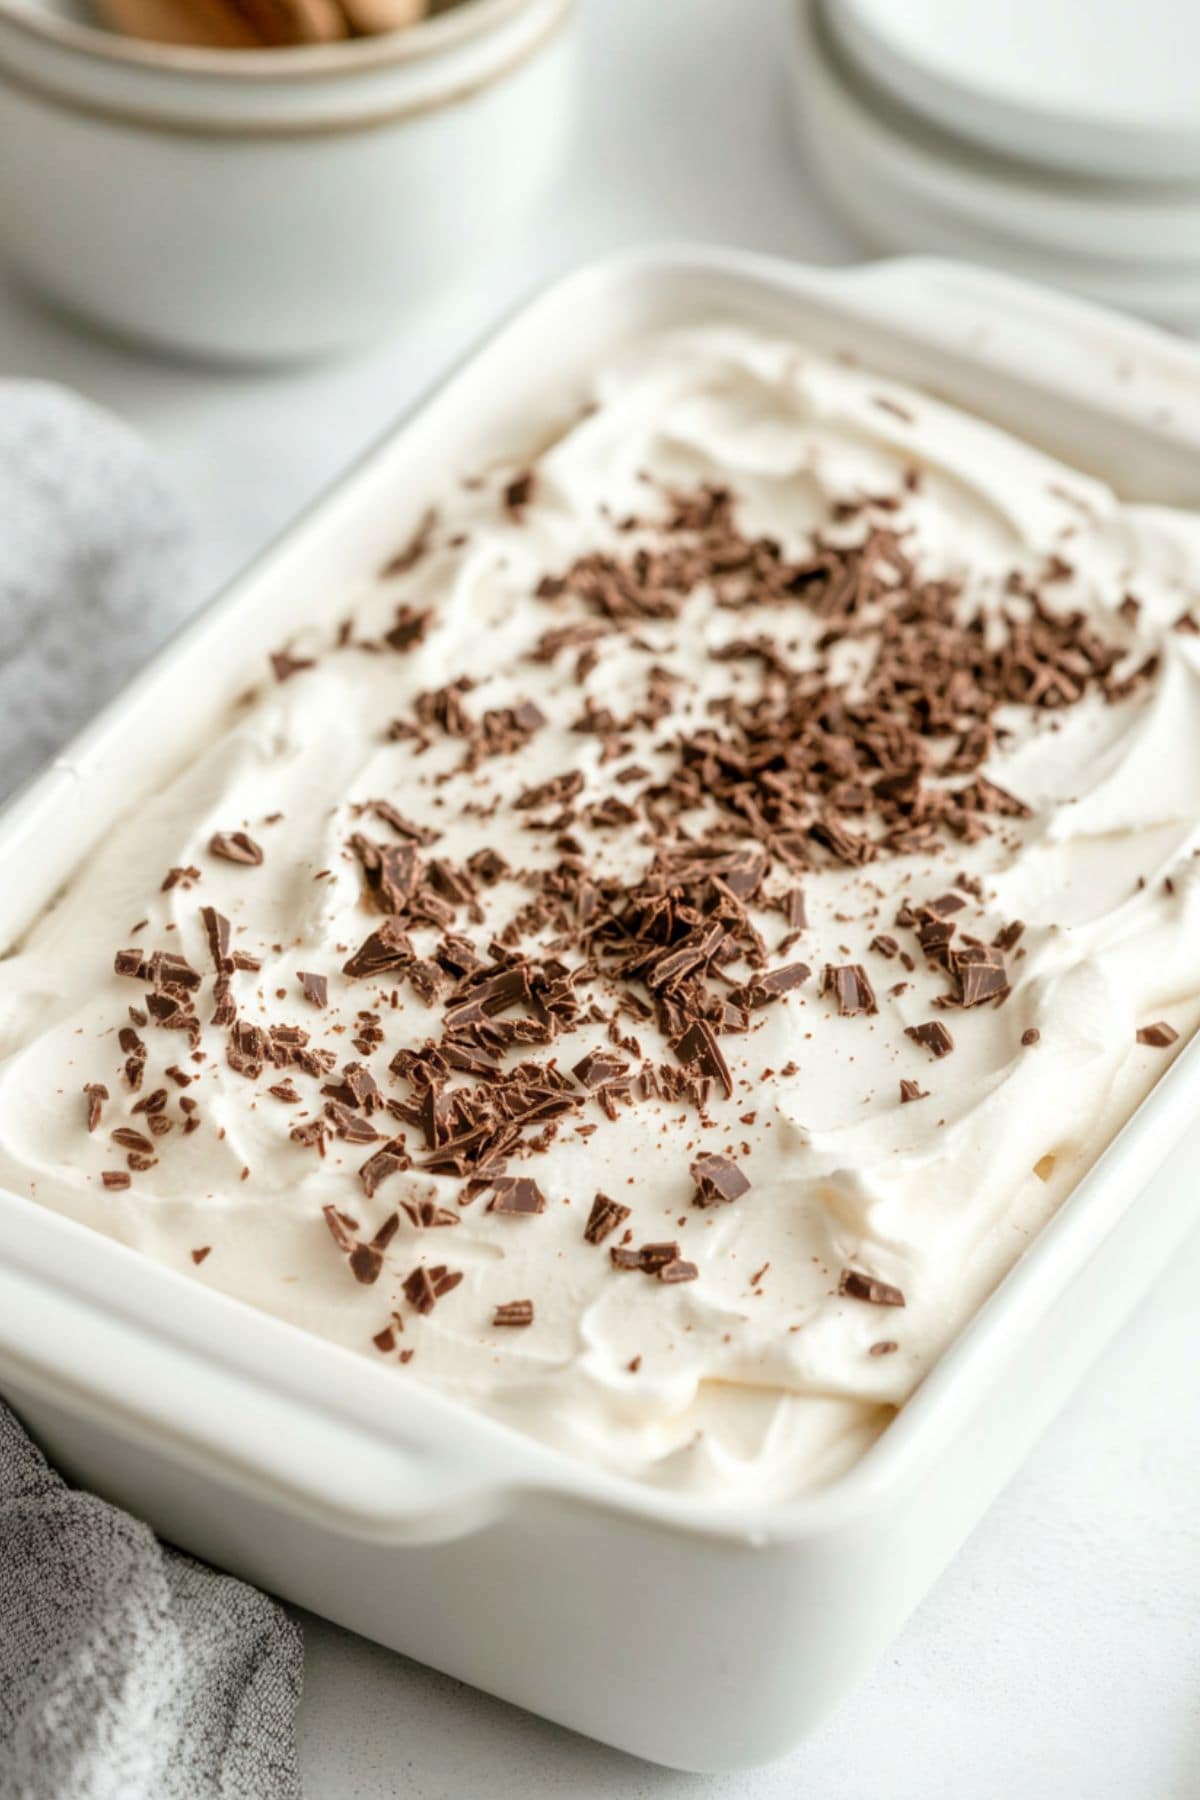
(691, 1633)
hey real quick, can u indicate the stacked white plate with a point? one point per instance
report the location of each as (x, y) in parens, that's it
(1057, 138)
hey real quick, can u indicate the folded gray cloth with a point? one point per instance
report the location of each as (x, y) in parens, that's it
(127, 1671)
(93, 566)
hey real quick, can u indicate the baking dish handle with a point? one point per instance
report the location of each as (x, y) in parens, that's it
(292, 1445)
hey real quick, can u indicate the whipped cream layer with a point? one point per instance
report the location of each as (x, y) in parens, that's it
(776, 1334)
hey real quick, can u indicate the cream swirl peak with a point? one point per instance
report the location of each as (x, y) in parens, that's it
(648, 964)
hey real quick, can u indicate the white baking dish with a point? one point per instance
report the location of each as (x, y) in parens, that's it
(694, 1633)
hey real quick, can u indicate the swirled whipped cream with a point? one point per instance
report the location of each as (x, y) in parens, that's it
(649, 963)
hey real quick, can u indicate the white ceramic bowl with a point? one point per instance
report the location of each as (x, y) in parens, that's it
(270, 204)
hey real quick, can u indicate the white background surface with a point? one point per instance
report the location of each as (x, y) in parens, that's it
(1059, 1659)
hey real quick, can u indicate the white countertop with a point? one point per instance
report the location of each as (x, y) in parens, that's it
(1059, 1659)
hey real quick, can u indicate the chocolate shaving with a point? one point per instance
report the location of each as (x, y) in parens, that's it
(404, 827)
(310, 1135)
(648, 1259)
(933, 1035)
(246, 1049)
(365, 1256)
(427, 1215)
(1158, 1036)
(390, 1160)
(366, 1260)
(981, 975)
(519, 492)
(349, 1126)
(598, 1068)
(386, 949)
(604, 1218)
(235, 847)
(342, 1227)
(97, 1094)
(795, 911)
(129, 1139)
(772, 985)
(678, 1270)
(219, 932)
(718, 1181)
(517, 1196)
(411, 628)
(514, 1312)
(559, 791)
(851, 988)
(698, 1047)
(184, 875)
(425, 1287)
(857, 1286)
(284, 665)
(315, 987)
(417, 547)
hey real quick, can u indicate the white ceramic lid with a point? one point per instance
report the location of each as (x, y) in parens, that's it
(1135, 247)
(1098, 87)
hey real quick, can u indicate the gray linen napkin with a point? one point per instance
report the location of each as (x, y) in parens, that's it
(93, 566)
(127, 1671)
